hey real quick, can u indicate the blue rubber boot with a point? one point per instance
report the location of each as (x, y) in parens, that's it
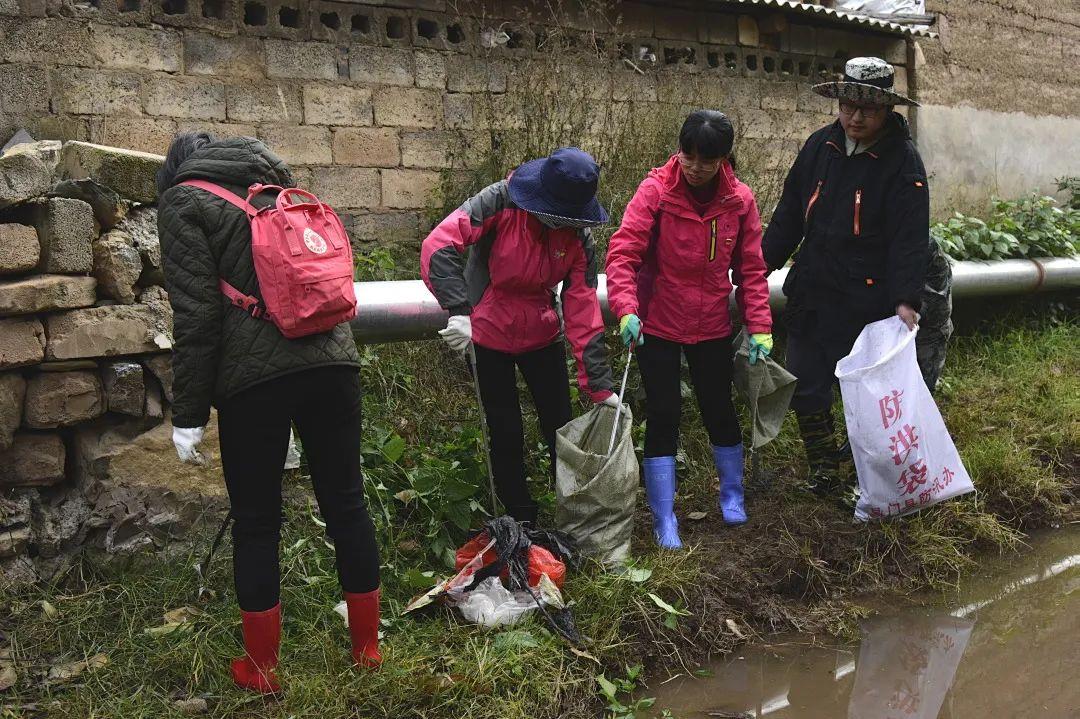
(660, 492)
(729, 466)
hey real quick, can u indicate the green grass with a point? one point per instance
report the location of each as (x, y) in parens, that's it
(1011, 398)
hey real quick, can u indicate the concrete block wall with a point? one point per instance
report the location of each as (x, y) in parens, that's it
(367, 99)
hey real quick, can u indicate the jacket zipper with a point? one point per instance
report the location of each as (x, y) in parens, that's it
(712, 240)
(813, 199)
(858, 210)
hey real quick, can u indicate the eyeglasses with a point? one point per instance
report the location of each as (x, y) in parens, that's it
(871, 111)
(698, 164)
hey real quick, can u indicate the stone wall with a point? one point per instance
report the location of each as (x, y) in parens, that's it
(370, 100)
(86, 456)
(1001, 111)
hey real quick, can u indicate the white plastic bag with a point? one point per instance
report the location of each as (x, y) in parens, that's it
(490, 604)
(903, 453)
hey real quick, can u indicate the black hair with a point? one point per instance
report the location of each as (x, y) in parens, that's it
(180, 149)
(707, 134)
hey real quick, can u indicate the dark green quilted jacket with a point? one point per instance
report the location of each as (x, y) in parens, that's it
(220, 349)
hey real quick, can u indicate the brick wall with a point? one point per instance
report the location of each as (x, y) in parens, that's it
(368, 101)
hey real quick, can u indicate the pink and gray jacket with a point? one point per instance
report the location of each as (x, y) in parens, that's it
(508, 282)
(669, 265)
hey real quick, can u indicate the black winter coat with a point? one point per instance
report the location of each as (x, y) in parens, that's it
(220, 349)
(864, 225)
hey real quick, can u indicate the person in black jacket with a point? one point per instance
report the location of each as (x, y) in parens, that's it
(260, 383)
(857, 206)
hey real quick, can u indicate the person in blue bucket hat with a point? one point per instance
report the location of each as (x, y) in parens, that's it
(527, 233)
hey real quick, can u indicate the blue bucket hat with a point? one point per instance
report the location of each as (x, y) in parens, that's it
(561, 187)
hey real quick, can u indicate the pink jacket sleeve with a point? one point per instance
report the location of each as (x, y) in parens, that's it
(749, 271)
(585, 325)
(442, 262)
(627, 249)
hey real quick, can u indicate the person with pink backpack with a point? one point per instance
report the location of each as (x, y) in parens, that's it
(259, 275)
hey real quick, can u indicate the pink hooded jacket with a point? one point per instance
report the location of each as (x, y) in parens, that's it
(669, 265)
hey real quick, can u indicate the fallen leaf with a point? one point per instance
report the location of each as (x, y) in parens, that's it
(667, 607)
(637, 575)
(697, 516)
(8, 677)
(66, 672)
(730, 623)
(583, 654)
(406, 495)
(183, 614)
(50, 610)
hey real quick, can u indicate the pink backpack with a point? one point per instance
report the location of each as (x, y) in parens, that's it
(303, 261)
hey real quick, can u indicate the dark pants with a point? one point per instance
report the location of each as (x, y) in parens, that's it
(546, 376)
(812, 358)
(659, 361)
(254, 425)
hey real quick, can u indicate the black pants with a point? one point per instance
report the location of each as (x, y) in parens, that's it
(546, 376)
(710, 372)
(254, 425)
(812, 357)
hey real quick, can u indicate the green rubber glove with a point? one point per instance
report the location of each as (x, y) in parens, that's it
(630, 330)
(760, 346)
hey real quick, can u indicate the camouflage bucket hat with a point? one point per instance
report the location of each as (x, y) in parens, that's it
(867, 80)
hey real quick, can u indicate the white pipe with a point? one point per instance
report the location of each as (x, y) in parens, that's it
(405, 310)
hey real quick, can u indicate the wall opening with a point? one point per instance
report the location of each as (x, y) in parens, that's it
(360, 24)
(804, 68)
(129, 6)
(713, 59)
(731, 61)
(213, 9)
(751, 63)
(455, 34)
(680, 56)
(787, 67)
(769, 63)
(254, 14)
(395, 27)
(517, 39)
(289, 17)
(174, 7)
(330, 20)
(427, 29)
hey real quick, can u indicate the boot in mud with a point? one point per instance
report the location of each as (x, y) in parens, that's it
(822, 455)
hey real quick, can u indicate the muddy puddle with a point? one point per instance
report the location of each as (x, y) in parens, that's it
(1006, 647)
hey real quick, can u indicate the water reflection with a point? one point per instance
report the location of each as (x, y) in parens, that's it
(1010, 650)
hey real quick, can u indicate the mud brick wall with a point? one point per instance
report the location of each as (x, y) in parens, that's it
(365, 99)
(85, 370)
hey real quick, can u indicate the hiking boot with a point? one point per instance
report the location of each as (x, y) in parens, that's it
(729, 468)
(822, 455)
(262, 638)
(363, 610)
(660, 493)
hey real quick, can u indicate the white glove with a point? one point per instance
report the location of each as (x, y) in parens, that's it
(612, 400)
(458, 333)
(187, 441)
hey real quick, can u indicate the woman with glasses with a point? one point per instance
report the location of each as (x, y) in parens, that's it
(691, 229)
(857, 200)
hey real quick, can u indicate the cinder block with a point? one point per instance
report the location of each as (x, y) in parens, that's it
(109, 331)
(255, 102)
(133, 48)
(718, 29)
(232, 57)
(779, 96)
(19, 248)
(337, 105)
(298, 144)
(219, 129)
(22, 342)
(12, 392)
(303, 60)
(46, 293)
(147, 134)
(675, 24)
(406, 107)
(465, 73)
(428, 149)
(384, 227)
(430, 69)
(348, 187)
(46, 41)
(458, 111)
(61, 399)
(748, 31)
(87, 91)
(25, 90)
(801, 39)
(173, 96)
(66, 231)
(34, 460)
(381, 66)
(409, 189)
(366, 147)
(809, 101)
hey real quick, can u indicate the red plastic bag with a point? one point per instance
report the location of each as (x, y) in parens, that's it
(541, 561)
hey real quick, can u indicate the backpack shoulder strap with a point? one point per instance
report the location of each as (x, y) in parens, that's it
(224, 194)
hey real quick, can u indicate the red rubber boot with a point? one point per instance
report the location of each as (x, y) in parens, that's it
(364, 627)
(262, 637)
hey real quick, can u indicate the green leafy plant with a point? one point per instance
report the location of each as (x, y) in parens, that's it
(1031, 227)
(611, 689)
(671, 613)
